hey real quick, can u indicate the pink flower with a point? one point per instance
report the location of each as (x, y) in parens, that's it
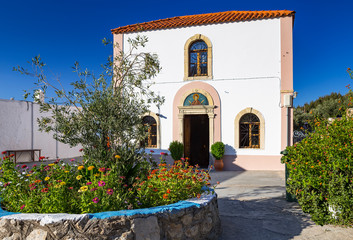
(71, 160)
(35, 165)
(101, 183)
(110, 191)
(93, 189)
(22, 207)
(89, 183)
(95, 200)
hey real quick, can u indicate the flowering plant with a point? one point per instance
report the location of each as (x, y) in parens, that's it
(320, 170)
(87, 188)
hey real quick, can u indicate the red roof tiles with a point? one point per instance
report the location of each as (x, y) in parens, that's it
(202, 19)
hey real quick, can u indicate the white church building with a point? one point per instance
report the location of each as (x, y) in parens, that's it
(225, 76)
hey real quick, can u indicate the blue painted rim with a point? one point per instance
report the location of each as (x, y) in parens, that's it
(142, 211)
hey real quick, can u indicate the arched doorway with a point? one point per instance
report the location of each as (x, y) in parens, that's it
(196, 118)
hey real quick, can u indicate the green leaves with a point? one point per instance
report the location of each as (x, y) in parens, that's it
(321, 171)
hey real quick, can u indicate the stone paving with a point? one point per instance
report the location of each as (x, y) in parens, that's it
(252, 205)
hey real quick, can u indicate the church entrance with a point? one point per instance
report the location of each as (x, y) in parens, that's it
(196, 139)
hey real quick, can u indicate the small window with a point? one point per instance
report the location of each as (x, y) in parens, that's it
(151, 129)
(198, 59)
(249, 131)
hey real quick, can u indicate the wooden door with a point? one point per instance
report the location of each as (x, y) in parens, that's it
(196, 139)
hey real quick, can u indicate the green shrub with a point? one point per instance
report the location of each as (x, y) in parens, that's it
(217, 150)
(321, 171)
(176, 149)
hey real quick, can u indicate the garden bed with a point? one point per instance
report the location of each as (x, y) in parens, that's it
(190, 219)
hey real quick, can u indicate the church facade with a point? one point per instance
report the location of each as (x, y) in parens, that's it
(226, 77)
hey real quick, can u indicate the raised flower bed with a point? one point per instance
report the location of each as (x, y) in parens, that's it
(191, 219)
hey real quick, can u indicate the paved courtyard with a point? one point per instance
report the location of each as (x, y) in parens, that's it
(252, 205)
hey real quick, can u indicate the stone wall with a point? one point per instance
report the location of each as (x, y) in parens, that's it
(190, 219)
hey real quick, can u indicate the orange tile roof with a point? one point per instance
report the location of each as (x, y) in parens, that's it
(203, 19)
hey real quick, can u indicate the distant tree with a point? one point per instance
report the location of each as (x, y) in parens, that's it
(329, 106)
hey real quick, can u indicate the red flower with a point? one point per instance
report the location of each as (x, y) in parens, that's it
(44, 190)
(41, 157)
(4, 152)
(11, 155)
(24, 166)
(168, 191)
(150, 151)
(164, 154)
(80, 150)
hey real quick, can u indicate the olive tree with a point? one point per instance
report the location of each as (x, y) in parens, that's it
(102, 113)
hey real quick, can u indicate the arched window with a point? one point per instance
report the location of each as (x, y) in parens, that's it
(198, 59)
(249, 131)
(151, 128)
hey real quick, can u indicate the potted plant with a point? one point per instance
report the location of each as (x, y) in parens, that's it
(176, 150)
(217, 150)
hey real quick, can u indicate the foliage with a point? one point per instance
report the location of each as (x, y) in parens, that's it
(217, 150)
(324, 107)
(176, 149)
(103, 114)
(321, 170)
(85, 188)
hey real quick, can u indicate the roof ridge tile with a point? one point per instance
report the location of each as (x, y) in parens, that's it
(202, 19)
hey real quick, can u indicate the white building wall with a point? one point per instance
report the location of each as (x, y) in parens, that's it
(246, 73)
(19, 130)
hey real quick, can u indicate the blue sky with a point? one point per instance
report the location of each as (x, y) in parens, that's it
(66, 31)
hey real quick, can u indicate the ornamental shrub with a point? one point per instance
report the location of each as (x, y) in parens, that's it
(176, 149)
(88, 188)
(320, 169)
(217, 150)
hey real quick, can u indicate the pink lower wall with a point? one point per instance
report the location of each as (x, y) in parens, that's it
(243, 162)
(252, 162)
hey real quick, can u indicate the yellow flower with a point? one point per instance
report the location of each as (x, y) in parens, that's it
(83, 189)
(97, 175)
(67, 171)
(79, 177)
(117, 156)
(80, 167)
(47, 178)
(51, 164)
(90, 168)
(28, 175)
(62, 183)
(57, 186)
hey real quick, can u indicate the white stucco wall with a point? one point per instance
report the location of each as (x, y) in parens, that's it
(246, 73)
(19, 130)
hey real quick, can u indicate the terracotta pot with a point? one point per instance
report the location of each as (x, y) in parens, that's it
(218, 164)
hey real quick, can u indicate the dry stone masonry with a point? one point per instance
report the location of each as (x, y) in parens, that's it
(190, 219)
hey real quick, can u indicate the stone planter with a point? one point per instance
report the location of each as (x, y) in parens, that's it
(189, 219)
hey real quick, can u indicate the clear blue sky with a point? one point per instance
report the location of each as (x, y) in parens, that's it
(66, 31)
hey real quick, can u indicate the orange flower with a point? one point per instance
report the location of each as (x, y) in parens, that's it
(168, 191)
(165, 196)
(37, 181)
